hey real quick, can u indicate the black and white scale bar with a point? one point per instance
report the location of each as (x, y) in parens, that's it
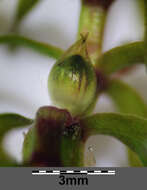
(73, 172)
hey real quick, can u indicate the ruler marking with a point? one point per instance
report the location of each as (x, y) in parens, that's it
(72, 172)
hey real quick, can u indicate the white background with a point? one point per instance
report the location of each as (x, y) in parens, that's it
(24, 73)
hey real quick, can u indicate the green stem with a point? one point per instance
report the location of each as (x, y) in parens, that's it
(92, 21)
(55, 140)
(69, 154)
(72, 152)
(40, 47)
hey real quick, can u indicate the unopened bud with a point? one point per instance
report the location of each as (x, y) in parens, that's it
(72, 80)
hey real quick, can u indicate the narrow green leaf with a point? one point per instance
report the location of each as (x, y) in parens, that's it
(130, 130)
(23, 8)
(9, 121)
(128, 101)
(121, 57)
(40, 47)
(126, 98)
(140, 5)
(145, 31)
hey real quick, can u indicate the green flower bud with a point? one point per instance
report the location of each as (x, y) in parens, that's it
(72, 80)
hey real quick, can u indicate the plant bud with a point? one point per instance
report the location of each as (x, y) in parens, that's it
(72, 80)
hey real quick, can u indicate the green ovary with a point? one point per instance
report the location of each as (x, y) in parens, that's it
(72, 84)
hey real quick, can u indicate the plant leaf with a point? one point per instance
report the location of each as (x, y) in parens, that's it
(145, 32)
(126, 98)
(131, 130)
(9, 121)
(140, 5)
(23, 8)
(121, 57)
(40, 47)
(128, 101)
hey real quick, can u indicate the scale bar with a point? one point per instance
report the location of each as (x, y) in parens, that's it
(72, 172)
